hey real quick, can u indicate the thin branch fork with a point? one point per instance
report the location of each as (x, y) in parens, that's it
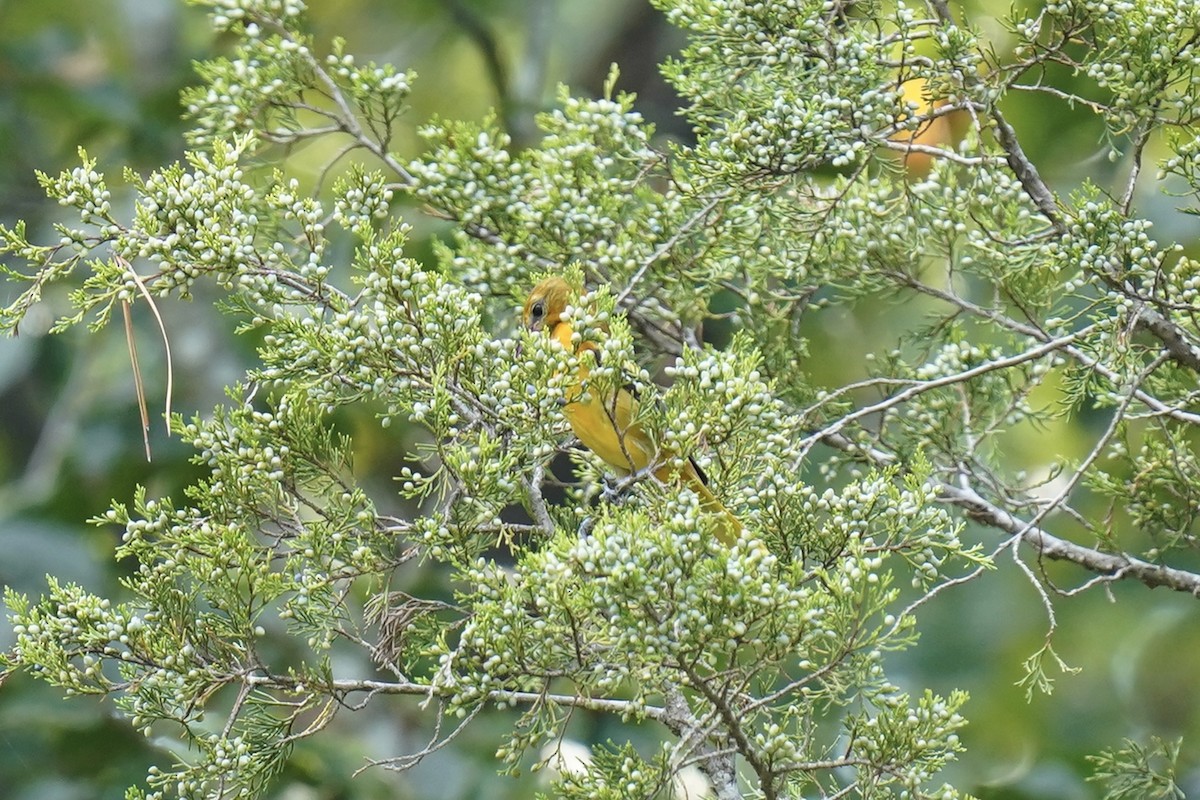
(1173, 338)
(719, 766)
(1148, 318)
(1110, 564)
(373, 687)
(1046, 348)
(1081, 357)
(1170, 334)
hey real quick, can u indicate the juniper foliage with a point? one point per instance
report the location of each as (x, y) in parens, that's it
(763, 664)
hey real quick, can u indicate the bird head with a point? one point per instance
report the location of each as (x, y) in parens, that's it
(544, 307)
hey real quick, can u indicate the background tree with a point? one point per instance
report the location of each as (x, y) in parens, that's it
(1031, 398)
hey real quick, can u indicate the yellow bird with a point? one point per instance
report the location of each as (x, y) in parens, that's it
(609, 425)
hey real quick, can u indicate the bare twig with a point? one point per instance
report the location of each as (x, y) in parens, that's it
(717, 765)
(537, 503)
(1079, 356)
(904, 396)
(1026, 172)
(938, 152)
(663, 249)
(1117, 565)
(1098, 448)
(348, 686)
(1050, 546)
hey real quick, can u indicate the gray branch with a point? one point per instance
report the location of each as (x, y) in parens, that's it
(1113, 565)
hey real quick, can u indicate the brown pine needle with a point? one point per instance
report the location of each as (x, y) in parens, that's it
(162, 329)
(137, 376)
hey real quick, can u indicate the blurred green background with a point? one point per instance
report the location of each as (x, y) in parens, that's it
(106, 74)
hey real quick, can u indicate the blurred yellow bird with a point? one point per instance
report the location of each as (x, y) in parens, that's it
(609, 425)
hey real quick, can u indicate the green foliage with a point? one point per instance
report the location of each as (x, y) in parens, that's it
(767, 103)
(765, 663)
(1140, 771)
(1037, 677)
(617, 773)
(1145, 59)
(275, 536)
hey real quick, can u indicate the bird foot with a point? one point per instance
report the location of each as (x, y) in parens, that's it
(616, 490)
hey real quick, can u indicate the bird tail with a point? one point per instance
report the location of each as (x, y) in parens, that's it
(729, 528)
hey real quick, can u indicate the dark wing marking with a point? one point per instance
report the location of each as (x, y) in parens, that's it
(701, 473)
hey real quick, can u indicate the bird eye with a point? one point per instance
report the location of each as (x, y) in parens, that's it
(539, 309)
